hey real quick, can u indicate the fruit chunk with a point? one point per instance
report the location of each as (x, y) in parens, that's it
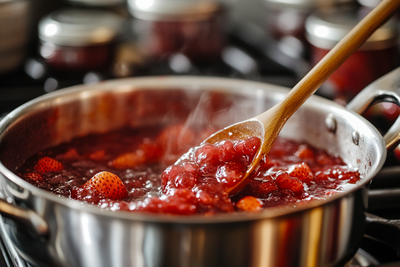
(249, 203)
(70, 154)
(305, 152)
(106, 184)
(48, 164)
(284, 181)
(98, 155)
(260, 188)
(226, 161)
(231, 173)
(301, 171)
(128, 160)
(147, 152)
(247, 148)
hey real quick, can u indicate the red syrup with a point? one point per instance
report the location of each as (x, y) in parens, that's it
(131, 170)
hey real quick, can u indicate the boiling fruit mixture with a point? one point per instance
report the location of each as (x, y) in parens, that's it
(134, 170)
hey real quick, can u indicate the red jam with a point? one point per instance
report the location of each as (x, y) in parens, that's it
(128, 170)
(198, 40)
(78, 58)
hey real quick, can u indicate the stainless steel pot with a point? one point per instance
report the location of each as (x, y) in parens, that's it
(55, 231)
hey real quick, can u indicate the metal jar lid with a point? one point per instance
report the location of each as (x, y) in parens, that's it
(187, 10)
(98, 2)
(305, 5)
(326, 29)
(80, 27)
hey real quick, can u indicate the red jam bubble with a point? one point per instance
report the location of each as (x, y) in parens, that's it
(128, 170)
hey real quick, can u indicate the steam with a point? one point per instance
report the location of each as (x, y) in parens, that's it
(213, 111)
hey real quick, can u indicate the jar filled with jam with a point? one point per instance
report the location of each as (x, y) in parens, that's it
(189, 27)
(376, 57)
(76, 41)
(285, 21)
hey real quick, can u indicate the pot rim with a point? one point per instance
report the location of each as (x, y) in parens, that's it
(158, 82)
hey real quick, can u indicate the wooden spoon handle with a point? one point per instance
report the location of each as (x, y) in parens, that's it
(342, 50)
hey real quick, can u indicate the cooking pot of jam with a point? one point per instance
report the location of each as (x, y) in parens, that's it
(50, 230)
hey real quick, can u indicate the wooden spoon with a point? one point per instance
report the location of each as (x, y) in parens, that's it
(267, 125)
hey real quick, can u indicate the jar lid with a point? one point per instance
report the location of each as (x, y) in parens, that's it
(98, 2)
(75, 27)
(305, 5)
(369, 3)
(326, 29)
(173, 9)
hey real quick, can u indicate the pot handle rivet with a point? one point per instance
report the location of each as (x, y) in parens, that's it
(355, 136)
(330, 123)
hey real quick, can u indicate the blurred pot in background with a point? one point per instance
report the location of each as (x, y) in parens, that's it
(192, 28)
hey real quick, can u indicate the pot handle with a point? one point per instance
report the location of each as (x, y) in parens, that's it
(387, 231)
(25, 217)
(385, 89)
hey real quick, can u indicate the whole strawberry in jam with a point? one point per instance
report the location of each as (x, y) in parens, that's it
(48, 164)
(106, 184)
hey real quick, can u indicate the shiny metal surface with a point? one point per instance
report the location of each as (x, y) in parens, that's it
(387, 88)
(319, 233)
(80, 27)
(186, 10)
(326, 29)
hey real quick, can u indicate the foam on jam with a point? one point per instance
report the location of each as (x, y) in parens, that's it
(131, 170)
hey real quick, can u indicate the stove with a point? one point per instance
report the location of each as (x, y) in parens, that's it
(245, 57)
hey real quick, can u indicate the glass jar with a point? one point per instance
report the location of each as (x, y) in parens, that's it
(376, 57)
(285, 21)
(192, 28)
(75, 41)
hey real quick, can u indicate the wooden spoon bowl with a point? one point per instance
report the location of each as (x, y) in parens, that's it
(267, 125)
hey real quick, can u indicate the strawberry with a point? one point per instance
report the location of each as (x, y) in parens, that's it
(301, 171)
(231, 173)
(128, 160)
(151, 150)
(98, 155)
(48, 164)
(147, 152)
(185, 180)
(249, 203)
(304, 152)
(207, 157)
(227, 151)
(70, 154)
(248, 147)
(293, 184)
(106, 184)
(261, 188)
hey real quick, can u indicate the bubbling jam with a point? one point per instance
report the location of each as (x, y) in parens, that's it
(130, 170)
